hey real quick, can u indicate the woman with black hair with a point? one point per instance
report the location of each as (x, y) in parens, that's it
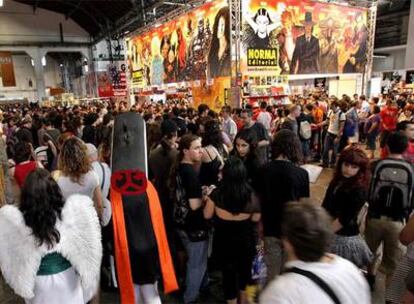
(214, 153)
(219, 55)
(344, 198)
(60, 246)
(236, 209)
(245, 145)
(279, 182)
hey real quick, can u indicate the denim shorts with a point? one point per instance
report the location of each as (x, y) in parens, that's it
(372, 141)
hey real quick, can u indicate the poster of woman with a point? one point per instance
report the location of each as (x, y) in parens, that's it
(219, 55)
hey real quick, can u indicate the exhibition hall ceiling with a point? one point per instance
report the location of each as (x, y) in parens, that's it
(107, 17)
(103, 18)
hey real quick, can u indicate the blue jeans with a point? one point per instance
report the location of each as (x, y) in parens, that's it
(329, 144)
(197, 253)
(306, 148)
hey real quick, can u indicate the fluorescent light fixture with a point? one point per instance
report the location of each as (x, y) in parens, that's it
(1, 3)
(379, 56)
(126, 32)
(61, 65)
(44, 61)
(86, 67)
(31, 60)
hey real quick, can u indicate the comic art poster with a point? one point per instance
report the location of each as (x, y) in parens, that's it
(302, 37)
(193, 47)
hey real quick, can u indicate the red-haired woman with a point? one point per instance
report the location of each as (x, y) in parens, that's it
(346, 195)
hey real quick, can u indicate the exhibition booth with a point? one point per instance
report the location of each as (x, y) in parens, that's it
(244, 51)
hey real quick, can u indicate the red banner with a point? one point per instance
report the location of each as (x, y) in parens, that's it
(104, 85)
(7, 70)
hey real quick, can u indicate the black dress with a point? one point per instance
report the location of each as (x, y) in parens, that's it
(343, 202)
(235, 247)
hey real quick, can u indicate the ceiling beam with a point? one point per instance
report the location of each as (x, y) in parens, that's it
(35, 6)
(83, 10)
(75, 8)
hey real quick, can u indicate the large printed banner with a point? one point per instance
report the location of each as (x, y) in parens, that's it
(193, 47)
(7, 70)
(113, 82)
(302, 37)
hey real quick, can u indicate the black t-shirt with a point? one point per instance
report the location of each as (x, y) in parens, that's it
(260, 131)
(278, 183)
(192, 187)
(344, 202)
(261, 134)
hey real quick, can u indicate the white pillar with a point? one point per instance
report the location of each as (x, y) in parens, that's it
(409, 55)
(37, 55)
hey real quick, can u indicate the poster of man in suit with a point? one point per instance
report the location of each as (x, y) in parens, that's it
(305, 58)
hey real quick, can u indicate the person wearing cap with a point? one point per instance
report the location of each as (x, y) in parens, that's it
(305, 58)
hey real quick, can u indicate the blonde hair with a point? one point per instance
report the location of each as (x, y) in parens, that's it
(73, 159)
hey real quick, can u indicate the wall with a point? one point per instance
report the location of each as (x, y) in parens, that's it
(36, 33)
(394, 61)
(24, 72)
(18, 23)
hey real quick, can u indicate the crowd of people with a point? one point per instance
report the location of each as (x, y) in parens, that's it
(234, 194)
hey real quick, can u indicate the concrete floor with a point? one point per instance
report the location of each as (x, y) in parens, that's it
(215, 296)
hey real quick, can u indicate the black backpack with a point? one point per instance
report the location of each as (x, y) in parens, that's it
(391, 189)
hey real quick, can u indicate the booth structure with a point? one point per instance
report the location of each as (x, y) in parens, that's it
(237, 51)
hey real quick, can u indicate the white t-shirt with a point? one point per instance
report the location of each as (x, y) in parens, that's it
(343, 277)
(334, 119)
(265, 119)
(365, 106)
(230, 128)
(86, 186)
(96, 166)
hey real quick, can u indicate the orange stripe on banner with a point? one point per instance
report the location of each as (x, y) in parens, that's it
(167, 268)
(126, 285)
